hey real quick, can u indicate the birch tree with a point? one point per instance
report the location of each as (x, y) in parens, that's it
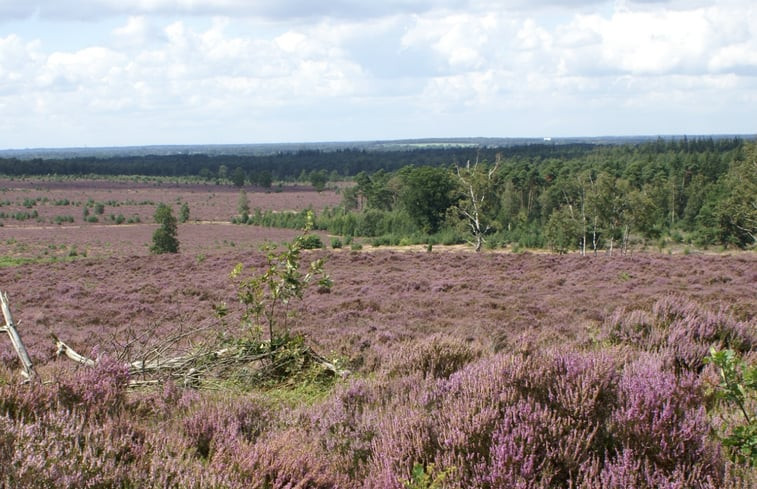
(478, 183)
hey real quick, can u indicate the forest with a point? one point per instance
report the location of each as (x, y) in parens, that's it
(696, 193)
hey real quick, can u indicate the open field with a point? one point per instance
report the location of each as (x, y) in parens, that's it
(491, 370)
(378, 297)
(207, 202)
(43, 220)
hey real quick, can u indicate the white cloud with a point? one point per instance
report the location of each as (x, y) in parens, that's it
(234, 70)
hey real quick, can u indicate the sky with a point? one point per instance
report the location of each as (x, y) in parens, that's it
(143, 72)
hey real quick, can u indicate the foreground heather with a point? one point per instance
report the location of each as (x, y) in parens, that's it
(611, 392)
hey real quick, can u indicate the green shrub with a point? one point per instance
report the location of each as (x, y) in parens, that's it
(311, 242)
(738, 388)
(336, 243)
(62, 219)
(184, 213)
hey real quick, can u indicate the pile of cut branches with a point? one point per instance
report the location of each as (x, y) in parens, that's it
(245, 362)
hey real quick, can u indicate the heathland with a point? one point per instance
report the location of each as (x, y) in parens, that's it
(412, 366)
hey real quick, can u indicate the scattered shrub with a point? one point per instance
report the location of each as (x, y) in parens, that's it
(311, 242)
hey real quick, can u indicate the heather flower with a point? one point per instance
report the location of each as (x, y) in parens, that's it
(99, 390)
(661, 417)
(438, 356)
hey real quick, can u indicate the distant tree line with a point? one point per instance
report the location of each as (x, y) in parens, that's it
(699, 192)
(264, 169)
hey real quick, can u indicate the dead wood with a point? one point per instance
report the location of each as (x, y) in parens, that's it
(203, 362)
(18, 345)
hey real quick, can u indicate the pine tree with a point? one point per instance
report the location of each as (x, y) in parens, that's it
(164, 238)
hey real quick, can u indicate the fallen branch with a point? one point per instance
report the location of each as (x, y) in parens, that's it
(64, 349)
(192, 367)
(18, 345)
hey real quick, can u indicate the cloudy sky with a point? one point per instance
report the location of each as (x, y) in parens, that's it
(137, 72)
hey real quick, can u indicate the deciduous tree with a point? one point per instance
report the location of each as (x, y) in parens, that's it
(477, 207)
(737, 212)
(427, 194)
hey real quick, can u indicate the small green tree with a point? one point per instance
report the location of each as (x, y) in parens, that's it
(164, 239)
(427, 194)
(238, 177)
(318, 179)
(184, 213)
(265, 179)
(563, 230)
(243, 206)
(223, 172)
(267, 295)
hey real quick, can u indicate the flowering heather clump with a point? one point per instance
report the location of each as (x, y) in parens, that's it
(661, 418)
(212, 425)
(98, 391)
(165, 402)
(62, 448)
(29, 401)
(533, 447)
(288, 459)
(405, 436)
(682, 328)
(345, 426)
(437, 357)
(582, 386)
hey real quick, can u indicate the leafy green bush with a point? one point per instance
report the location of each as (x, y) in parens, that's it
(62, 219)
(184, 213)
(310, 242)
(738, 386)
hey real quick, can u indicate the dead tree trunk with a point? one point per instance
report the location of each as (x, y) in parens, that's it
(18, 345)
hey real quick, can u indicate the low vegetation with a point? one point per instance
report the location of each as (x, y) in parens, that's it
(239, 367)
(652, 395)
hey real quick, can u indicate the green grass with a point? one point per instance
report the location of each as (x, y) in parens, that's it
(16, 261)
